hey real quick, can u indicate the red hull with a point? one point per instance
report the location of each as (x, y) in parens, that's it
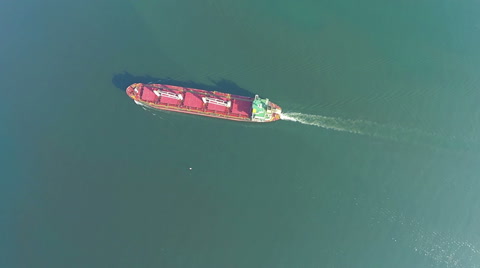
(189, 100)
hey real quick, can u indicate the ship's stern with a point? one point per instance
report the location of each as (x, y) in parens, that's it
(276, 112)
(263, 110)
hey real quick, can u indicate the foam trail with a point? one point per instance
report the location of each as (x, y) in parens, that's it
(324, 122)
(373, 129)
(148, 109)
(353, 126)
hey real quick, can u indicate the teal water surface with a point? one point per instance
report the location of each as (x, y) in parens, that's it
(376, 164)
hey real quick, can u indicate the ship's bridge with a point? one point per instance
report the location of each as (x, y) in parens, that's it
(262, 110)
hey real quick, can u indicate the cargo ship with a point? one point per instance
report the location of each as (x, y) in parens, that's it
(204, 103)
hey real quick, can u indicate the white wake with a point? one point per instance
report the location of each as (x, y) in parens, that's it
(333, 123)
(384, 131)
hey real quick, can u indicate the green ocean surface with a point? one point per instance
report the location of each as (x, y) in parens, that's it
(376, 164)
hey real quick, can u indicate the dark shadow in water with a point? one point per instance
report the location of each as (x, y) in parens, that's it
(123, 80)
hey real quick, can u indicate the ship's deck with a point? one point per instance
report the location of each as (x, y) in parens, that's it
(240, 107)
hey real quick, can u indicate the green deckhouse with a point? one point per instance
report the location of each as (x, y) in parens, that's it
(262, 110)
